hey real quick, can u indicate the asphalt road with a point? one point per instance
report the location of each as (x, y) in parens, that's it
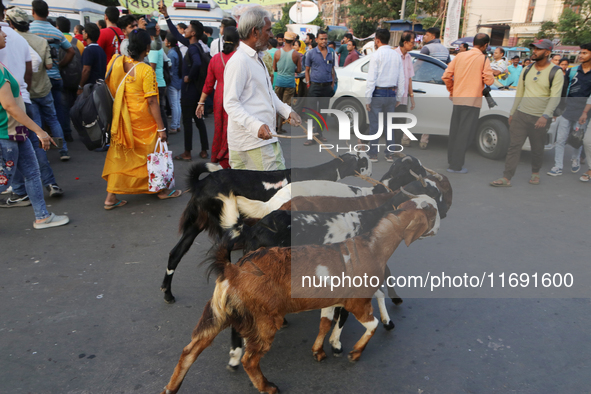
(82, 311)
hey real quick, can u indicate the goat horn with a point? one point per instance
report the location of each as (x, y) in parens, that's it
(414, 174)
(407, 193)
(407, 158)
(422, 181)
(434, 173)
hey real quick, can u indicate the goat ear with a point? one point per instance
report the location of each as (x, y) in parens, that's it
(416, 228)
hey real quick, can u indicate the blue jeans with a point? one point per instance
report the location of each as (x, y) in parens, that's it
(174, 97)
(563, 127)
(43, 110)
(21, 156)
(383, 101)
(63, 115)
(47, 177)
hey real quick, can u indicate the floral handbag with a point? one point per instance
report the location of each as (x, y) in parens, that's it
(160, 168)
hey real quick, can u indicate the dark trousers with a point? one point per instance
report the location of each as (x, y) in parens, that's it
(523, 126)
(382, 102)
(63, 116)
(68, 100)
(188, 112)
(399, 133)
(322, 95)
(162, 102)
(462, 129)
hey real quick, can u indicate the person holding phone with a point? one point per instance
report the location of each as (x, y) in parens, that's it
(16, 150)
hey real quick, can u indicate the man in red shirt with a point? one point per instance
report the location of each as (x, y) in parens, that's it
(111, 37)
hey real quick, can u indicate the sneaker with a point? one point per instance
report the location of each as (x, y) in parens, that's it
(575, 166)
(54, 190)
(64, 156)
(15, 201)
(7, 191)
(68, 138)
(373, 159)
(555, 171)
(52, 221)
(389, 159)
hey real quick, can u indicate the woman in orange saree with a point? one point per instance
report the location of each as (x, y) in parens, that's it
(136, 124)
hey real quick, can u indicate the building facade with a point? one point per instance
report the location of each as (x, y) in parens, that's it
(509, 22)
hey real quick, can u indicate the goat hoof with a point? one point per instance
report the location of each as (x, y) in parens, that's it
(337, 352)
(285, 323)
(389, 326)
(354, 356)
(270, 389)
(232, 368)
(169, 300)
(397, 301)
(319, 356)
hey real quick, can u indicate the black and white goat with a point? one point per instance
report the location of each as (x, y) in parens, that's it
(204, 208)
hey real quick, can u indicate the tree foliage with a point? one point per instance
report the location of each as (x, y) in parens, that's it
(572, 28)
(368, 15)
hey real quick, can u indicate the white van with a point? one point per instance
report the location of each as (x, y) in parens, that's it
(79, 12)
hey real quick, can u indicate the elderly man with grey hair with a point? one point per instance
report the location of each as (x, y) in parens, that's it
(250, 101)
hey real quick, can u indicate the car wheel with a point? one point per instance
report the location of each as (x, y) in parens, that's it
(351, 106)
(492, 139)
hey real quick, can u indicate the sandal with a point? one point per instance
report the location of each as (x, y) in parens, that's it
(309, 143)
(118, 204)
(535, 179)
(501, 182)
(586, 177)
(181, 158)
(323, 139)
(203, 154)
(423, 145)
(172, 194)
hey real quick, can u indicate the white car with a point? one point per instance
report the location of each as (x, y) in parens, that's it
(433, 107)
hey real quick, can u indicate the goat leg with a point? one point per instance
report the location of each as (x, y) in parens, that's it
(385, 317)
(326, 317)
(207, 329)
(174, 258)
(363, 312)
(335, 337)
(391, 291)
(235, 351)
(256, 346)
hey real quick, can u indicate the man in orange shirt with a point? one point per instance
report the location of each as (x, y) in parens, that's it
(465, 79)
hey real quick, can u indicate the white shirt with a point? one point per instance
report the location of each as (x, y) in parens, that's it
(183, 49)
(249, 100)
(385, 70)
(216, 46)
(204, 46)
(14, 56)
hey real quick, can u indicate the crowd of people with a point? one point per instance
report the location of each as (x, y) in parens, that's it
(247, 78)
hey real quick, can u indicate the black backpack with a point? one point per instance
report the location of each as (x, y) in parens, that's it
(72, 73)
(205, 58)
(92, 114)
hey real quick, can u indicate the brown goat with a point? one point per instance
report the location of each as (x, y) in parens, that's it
(256, 293)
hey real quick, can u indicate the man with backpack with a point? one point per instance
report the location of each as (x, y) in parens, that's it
(111, 36)
(194, 70)
(72, 73)
(56, 39)
(579, 90)
(94, 59)
(538, 95)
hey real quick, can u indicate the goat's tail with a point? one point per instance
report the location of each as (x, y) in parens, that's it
(200, 168)
(219, 257)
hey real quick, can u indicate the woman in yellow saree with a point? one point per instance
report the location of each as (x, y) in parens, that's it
(136, 124)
